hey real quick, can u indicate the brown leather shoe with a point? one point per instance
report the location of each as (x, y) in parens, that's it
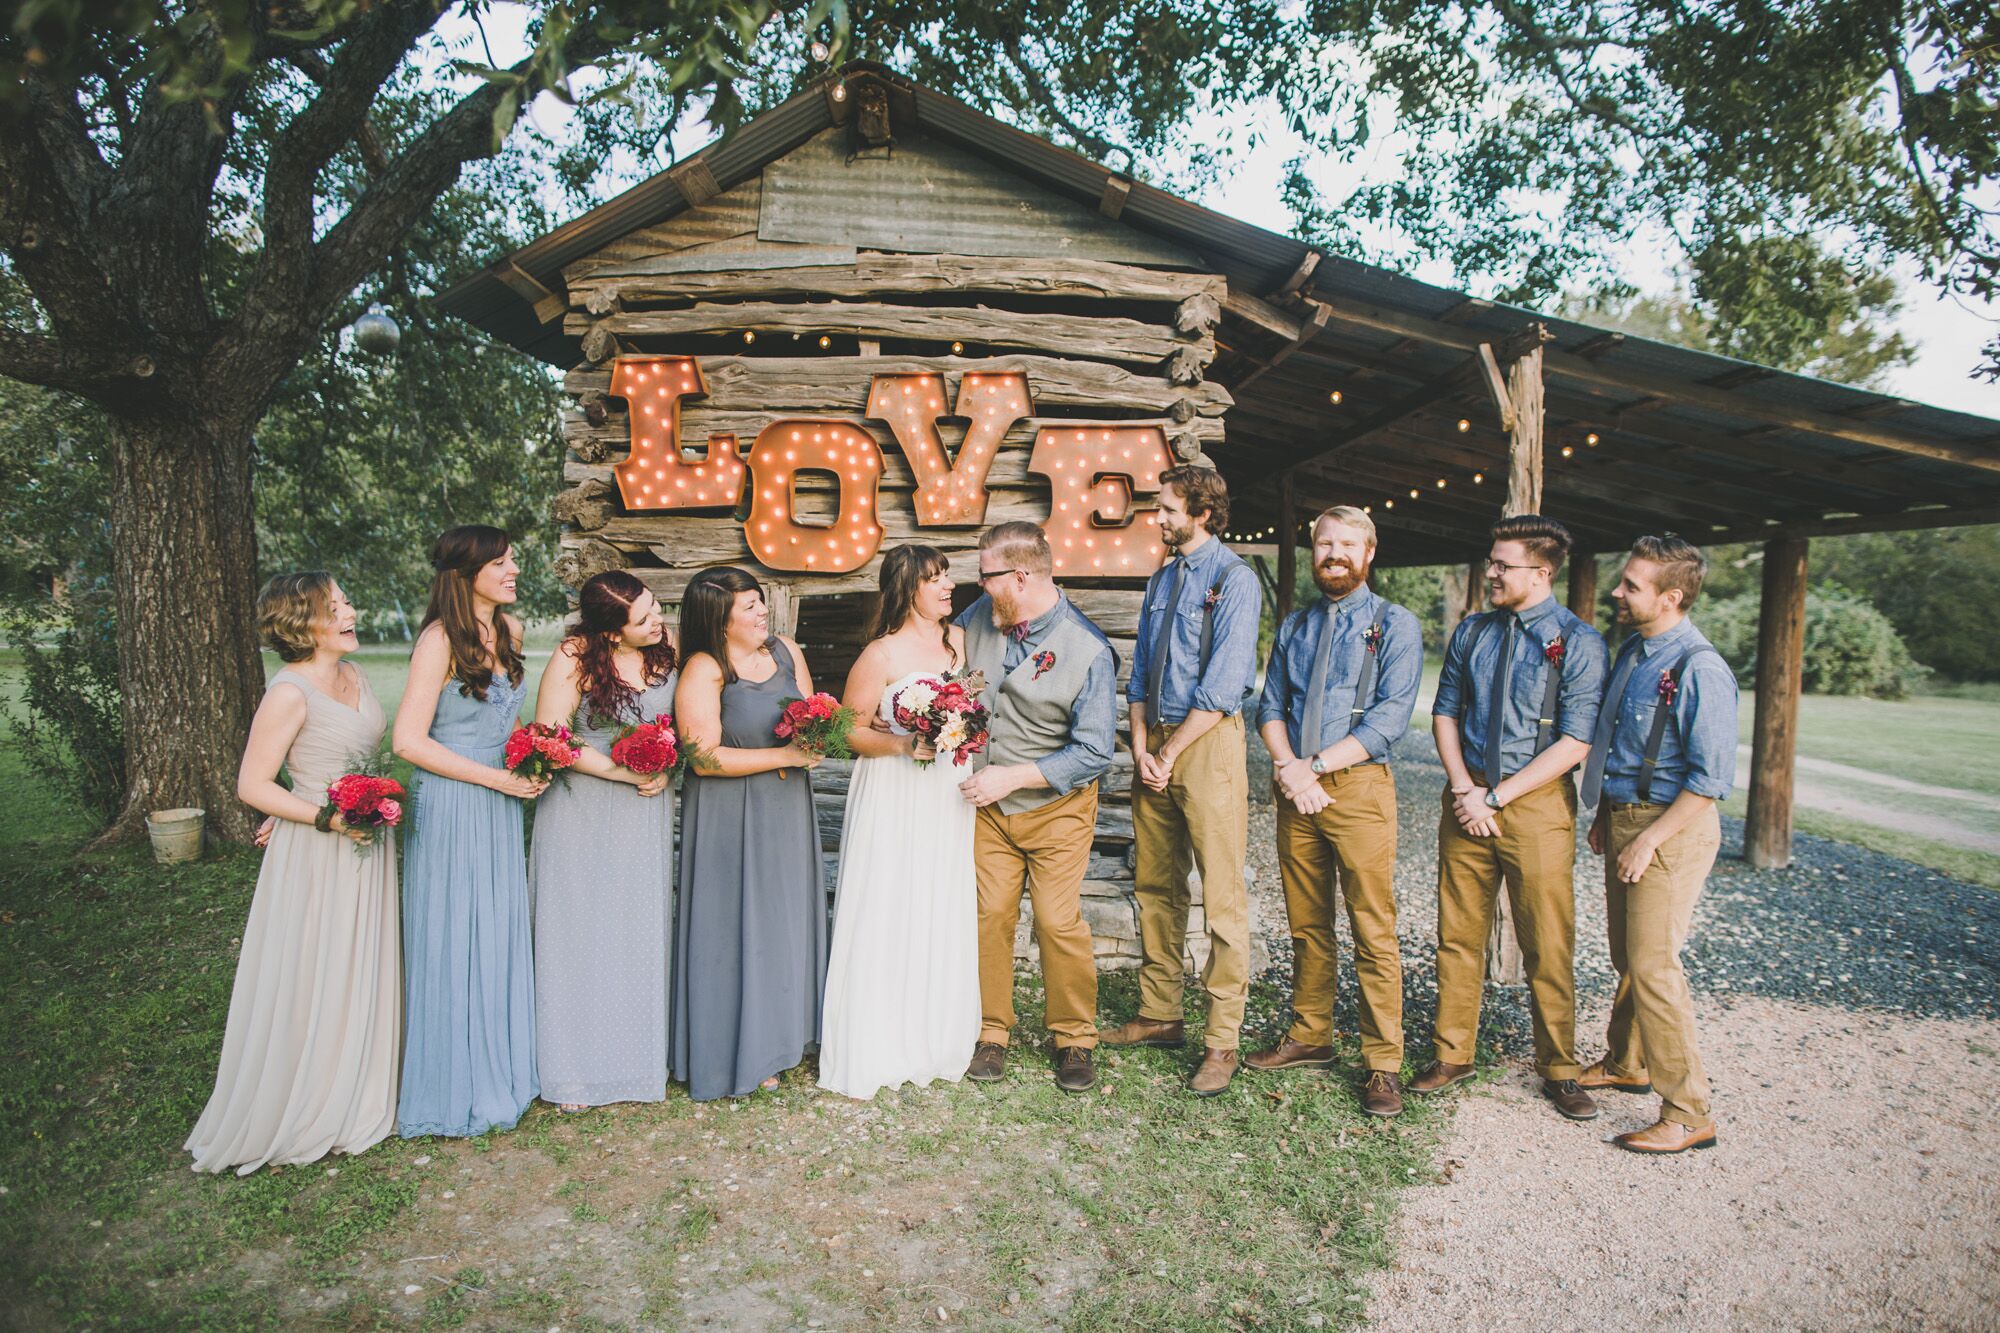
(989, 1063)
(1569, 1099)
(1666, 1136)
(1146, 1032)
(1439, 1075)
(1216, 1070)
(1599, 1078)
(1382, 1094)
(1074, 1071)
(1289, 1054)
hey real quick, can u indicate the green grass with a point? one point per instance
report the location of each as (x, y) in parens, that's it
(1942, 740)
(1974, 867)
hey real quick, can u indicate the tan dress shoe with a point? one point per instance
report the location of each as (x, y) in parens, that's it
(1289, 1054)
(1382, 1094)
(1439, 1075)
(1146, 1032)
(1599, 1078)
(1666, 1136)
(1212, 1078)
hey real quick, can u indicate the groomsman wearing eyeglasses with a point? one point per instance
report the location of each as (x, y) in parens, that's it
(1662, 754)
(1192, 670)
(1338, 694)
(1516, 706)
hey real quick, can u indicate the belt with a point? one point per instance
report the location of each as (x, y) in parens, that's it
(1637, 805)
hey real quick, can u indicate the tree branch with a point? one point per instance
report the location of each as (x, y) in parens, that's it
(1098, 146)
(34, 359)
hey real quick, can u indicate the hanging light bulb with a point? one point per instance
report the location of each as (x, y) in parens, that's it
(1569, 450)
(825, 341)
(1591, 439)
(1478, 478)
(958, 349)
(1413, 492)
(820, 51)
(749, 336)
(840, 92)
(1388, 504)
(1463, 425)
(1334, 398)
(1440, 483)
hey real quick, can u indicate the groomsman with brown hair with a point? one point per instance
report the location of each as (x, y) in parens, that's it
(1192, 671)
(1516, 706)
(1342, 681)
(1662, 755)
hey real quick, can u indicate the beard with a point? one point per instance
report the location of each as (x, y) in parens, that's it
(1177, 537)
(1005, 612)
(1336, 580)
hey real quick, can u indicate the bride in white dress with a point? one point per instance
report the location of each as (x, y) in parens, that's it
(902, 982)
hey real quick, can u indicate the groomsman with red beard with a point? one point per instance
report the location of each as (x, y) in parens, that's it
(1516, 706)
(1338, 693)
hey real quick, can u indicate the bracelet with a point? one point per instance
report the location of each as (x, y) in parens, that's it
(323, 821)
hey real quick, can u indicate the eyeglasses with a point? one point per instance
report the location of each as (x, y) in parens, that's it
(1492, 565)
(986, 574)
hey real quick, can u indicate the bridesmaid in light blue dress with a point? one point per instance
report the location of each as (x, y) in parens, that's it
(469, 1049)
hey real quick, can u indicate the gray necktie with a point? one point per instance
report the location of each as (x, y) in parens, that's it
(1316, 686)
(1600, 737)
(1163, 639)
(1496, 707)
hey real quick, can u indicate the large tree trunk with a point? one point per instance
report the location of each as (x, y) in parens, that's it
(184, 549)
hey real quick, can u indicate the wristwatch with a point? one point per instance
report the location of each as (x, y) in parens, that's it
(1492, 801)
(1318, 765)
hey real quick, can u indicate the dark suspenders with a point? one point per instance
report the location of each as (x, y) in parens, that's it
(1545, 724)
(1651, 761)
(1364, 688)
(1207, 648)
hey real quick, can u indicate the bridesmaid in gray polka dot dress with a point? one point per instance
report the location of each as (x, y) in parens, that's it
(601, 868)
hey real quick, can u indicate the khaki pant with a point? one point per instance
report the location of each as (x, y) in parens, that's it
(1652, 1018)
(1201, 820)
(1049, 847)
(1347, 850)
(1535, 855)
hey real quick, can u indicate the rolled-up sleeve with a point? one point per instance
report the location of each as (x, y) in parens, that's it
(1093, 730)
(1583, 667)
(1450, 700)
(1399, 668)
(1706, 712)
(1275, 703)
(1232, 662)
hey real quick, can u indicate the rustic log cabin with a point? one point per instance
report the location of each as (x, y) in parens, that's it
(874, 315)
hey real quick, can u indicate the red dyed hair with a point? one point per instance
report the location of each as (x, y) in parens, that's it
(604, 607)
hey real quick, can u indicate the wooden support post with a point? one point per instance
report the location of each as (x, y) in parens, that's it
(1288, 546)
(1781, 641)
(1524, 441)
(1583, 587)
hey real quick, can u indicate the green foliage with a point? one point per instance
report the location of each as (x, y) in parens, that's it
(1421, 590)
(66, 724)
(1850, 647)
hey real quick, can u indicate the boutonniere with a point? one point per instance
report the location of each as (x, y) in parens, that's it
(1214, 596)
(1669, 687)
(1372, 637)
(1554, 652)
(1043, 661)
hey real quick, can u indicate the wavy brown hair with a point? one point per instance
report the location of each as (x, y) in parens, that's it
(1203, 491)
(289, 609)
(603, 609)
(458, 555)
(705, 606)
(905, 570)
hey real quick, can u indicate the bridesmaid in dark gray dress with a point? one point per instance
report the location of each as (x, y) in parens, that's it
(601, 871)
(751, 939)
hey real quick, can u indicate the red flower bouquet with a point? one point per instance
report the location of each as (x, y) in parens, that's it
(367, 803)
(818, 725)
(944, 710)
(539, 751)
(652, 747)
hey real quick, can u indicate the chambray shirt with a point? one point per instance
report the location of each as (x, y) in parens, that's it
(1232, 663)
(1399, 672)
(1698, 748)
(1093, 715)
(1465, 688)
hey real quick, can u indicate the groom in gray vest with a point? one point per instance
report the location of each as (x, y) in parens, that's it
(1051, 686)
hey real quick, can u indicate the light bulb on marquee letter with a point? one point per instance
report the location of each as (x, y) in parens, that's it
(950, 492)
(658, 475)
(1094, 475)
(783, 450)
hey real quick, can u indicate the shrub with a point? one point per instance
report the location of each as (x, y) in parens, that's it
(1851, 648)
(67, 723)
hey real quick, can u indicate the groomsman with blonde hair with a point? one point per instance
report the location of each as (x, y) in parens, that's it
(1192, 671)
(1663, 753)
(1338, 693)
(1516, 706)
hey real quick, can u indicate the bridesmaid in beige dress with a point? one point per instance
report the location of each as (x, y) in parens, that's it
(309, 1058)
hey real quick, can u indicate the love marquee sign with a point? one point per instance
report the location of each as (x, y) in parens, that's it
(1094, 472)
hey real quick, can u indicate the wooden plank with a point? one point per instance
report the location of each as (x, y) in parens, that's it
(1524, 438)
(934, 197)
(1781, 621)
(1902, 521)
(1116, 339)
(1582, 600)
(733, 213)
(1496, 386)
(1288, 545)
(821, 270)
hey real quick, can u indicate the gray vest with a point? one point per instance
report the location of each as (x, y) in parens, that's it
(1031, 712)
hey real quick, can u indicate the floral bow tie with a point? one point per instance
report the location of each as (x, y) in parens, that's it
(1018, 631)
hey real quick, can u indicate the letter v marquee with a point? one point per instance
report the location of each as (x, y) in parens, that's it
(950, 493)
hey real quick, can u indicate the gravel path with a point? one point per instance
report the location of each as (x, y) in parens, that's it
(1850, 1015)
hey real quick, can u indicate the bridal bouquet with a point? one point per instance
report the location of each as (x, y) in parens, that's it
(945, 711)
(540, 750)
(818, 725)
(652, 747)
(367, 802)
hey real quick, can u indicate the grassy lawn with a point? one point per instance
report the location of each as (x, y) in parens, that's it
(1941, 740)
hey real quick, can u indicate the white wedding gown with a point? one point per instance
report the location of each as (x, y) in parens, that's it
(902, 983)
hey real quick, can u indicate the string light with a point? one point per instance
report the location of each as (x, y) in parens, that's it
(1413, 492)
(1478, 478)
(825, 341)
(1334, 398)
(1440, 483)
(1569, 450)
(1098, 473)
(1463, 425)
(840, 92)
(820, 52)
(749, 336)
(656, 475)
(1591, 439)
(1388, 504)
(958, 349)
